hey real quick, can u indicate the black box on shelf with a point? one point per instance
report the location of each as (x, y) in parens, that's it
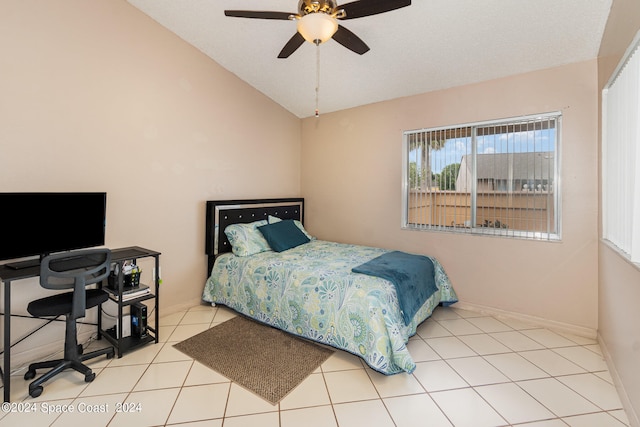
(139, 320)
(130, 277)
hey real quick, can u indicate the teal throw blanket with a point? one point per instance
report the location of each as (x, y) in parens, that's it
(411, 274)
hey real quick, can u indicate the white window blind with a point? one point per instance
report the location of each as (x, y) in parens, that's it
(621, 155)
(498, 178)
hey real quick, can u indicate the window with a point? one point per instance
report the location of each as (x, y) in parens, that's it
(498, 178)
(621, 155)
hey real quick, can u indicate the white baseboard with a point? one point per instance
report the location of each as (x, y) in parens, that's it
(634, 418)
(533, 320)
(184, 306)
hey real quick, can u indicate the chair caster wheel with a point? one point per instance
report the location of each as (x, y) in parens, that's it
(89, 377)
(30, 374)
(80, 349)
(36, 391)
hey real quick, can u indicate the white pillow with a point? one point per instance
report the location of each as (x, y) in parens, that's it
(246, 239)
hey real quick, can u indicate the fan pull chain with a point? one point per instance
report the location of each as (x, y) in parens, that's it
(317, 75)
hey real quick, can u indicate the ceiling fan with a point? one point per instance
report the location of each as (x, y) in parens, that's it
(317, 21)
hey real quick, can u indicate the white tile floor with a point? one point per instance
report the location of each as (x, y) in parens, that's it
(473, 370)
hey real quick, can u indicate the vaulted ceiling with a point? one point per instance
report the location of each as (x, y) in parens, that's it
(429, 45)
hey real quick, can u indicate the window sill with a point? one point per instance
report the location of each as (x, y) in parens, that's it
(621, 254)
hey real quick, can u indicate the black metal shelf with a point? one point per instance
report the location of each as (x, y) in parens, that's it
(113, 296)
(125, 344)
(114, 334)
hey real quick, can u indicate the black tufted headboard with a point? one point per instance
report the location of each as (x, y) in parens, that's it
(221, 213)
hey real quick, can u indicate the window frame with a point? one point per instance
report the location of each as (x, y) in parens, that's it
(476, 230)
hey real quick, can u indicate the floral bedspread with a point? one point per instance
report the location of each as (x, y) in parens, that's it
(311, 292)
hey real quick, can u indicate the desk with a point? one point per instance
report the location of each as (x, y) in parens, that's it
(8, 275)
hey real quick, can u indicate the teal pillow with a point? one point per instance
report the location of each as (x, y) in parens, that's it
(298, 224)
(283, 235)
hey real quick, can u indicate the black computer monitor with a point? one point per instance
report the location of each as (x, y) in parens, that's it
(38, 224)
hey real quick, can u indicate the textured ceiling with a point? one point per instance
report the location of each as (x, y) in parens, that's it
(430, 45)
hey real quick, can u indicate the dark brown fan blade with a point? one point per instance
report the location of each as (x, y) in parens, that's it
(284, 16)
(349, 40)
(358, 9)
(294, 43)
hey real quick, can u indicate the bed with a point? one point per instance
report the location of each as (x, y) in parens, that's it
(310, 289)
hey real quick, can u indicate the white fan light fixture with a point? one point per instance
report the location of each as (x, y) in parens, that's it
(317, 28)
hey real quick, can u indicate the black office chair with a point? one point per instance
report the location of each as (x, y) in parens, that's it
(72, 270)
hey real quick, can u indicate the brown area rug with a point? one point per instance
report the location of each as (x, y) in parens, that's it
(262, 359)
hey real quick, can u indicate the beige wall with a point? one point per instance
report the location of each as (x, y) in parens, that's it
(352, 176)
(619, 293)
(95, 96)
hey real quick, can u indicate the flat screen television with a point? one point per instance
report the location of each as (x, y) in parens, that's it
(38, 224)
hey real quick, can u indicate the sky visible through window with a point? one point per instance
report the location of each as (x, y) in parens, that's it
(512, 142)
